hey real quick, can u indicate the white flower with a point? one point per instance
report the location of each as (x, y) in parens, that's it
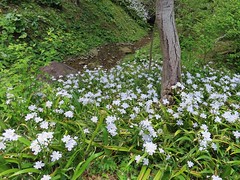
(236, 134)
(165, 101)
(125, 105)
(49, 104)
(44, 138)
(55, 156)
(195, 125)
(179, 122)
(145, 161)
(150, 147)
(94, 119)
(69, 142)
(61, 102)
(9, 135)
(68, 114)
(204, 116)
(190, 164)
(157, 116)
(138, 159)
(40, 109)
(112, 129)
(38, 119)
(206, 135)
(214, 146)
(32, 107)
(216, 177)
(46, 177)
(110, 119)
(2, 145)
(86, 131)
(217, 119)
(204, 127)
(30, 116)
(168, 157)
(44, 125)
(39, 165)
(161, 150)
(66, 138)
(36, 148)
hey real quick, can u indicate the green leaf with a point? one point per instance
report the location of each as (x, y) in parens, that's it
(234, 162)
(24, 171)
(80, 169)
(95, 132)
(24, 141)
(146, 174)
(177, 132)
(141, 174)
(226, 171)
(195, 173)
(72, 158)
(24, 35)
(9, 171)
(119, 148)
(158, 175)
(180, 171)
(204, 157)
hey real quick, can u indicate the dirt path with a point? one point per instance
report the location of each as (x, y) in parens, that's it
(106, 56)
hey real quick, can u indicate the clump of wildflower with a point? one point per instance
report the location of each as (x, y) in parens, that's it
(150, 147)
(2, 144)
(138, 159)
(236, 134)
(68, 114)
(178, 85)
(139, 8)
(190, 164)
(56, 155)
(215, 177)
(111, 127)
(147, 131)
(49, 104)
(42, 141)
(94, 119)
(46, 177)
(70, 142)
(205, 137)
(10, 135)
(39, 165)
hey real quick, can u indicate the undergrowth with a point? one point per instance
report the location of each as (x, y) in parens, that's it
(111, 124)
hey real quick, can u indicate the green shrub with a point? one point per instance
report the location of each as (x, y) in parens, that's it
(51, 3)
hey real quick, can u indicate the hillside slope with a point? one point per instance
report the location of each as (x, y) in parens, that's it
(42, 32)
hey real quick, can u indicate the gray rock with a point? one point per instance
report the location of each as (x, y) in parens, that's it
(125, 50)
(57, 69)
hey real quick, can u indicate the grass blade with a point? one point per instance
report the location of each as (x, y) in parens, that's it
(80, 169)
(24, 171)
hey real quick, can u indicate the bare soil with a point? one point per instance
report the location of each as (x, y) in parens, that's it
(106, 56)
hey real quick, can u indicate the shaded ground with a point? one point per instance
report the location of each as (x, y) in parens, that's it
(106, 56)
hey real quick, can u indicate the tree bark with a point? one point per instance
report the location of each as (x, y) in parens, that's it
(171, 73)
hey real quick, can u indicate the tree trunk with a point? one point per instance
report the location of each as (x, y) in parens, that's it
(171, 73)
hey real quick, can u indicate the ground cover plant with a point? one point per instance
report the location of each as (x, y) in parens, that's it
(110, 123)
